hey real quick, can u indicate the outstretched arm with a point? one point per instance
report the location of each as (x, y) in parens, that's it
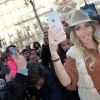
(61, 73)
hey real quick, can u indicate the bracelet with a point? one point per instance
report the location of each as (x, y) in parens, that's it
(56, 60)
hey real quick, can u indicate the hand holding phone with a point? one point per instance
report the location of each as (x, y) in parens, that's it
(18, 59)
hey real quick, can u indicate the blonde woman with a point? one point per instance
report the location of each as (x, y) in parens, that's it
(82, 67)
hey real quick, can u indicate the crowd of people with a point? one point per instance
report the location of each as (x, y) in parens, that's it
(66, 71)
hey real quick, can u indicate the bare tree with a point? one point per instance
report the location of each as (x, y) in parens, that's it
(32, 2)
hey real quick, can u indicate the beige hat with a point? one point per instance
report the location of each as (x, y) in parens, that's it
(78, 17)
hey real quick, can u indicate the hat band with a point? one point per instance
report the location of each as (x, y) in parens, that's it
(80, 22)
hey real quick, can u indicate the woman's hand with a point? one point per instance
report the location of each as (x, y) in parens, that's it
(53, 41)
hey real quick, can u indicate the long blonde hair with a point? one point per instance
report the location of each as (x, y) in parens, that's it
(86, 55)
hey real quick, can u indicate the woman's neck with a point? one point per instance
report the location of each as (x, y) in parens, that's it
(91, 45)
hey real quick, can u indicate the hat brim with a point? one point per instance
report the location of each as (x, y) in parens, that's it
(68, 28)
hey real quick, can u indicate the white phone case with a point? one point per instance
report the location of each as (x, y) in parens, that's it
(54, 19)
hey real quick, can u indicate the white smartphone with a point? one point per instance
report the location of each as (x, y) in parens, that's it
(54, 19)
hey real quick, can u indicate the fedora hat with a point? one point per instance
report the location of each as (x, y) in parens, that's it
(79, 17)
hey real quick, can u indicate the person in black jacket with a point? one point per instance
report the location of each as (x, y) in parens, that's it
(45, 52)
(44, 81)
(16, 87)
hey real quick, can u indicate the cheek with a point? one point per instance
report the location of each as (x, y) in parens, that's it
(38, 87)
(78, 33)
(64, 48)
(91, 30)
(34, 56)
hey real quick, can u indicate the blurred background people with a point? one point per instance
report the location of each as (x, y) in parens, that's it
(37, 46)
(26, 54)
(63, 48)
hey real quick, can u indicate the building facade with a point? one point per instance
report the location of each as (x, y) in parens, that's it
(18, 24)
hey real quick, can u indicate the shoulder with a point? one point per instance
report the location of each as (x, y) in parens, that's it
(70, 63)
(74, 52)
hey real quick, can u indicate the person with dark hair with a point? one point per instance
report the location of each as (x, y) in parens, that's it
(37, 46)
(45, 82)
(45, 54)
(13, 72)
(26, 54)
(4, 74)
(34, 57)
(4, 71)
(28, 48)
(3, 58)
(63, 48)
(15, 87)
(35, 74)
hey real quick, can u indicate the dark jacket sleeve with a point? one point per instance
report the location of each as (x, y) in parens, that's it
(16, 88)
(51, 89)
(55, 87)
(45, 55)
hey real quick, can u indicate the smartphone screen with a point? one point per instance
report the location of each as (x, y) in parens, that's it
(13, 52)
(54, 19)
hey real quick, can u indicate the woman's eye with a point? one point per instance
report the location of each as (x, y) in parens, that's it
(77, 28)
(87, 24)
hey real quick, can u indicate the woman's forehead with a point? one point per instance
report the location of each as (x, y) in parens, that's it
(82, 24)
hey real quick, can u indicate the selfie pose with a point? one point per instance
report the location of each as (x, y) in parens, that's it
(82, 67)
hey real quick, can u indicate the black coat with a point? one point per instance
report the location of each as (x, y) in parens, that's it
(52, 89)
(16, 88)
